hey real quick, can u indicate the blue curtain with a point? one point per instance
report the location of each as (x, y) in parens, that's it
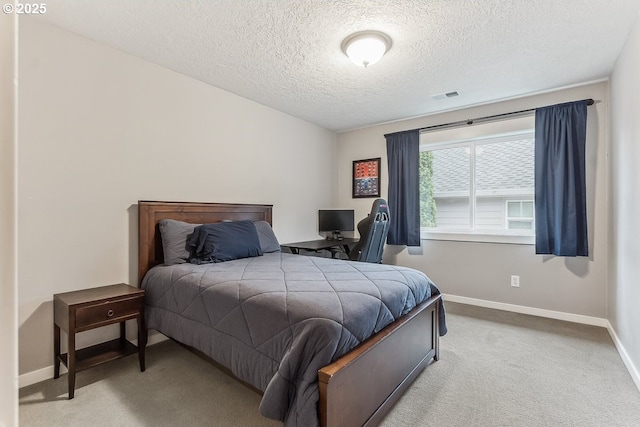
(560, 189)
(403, 150)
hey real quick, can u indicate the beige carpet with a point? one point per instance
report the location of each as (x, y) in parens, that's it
(496, 369)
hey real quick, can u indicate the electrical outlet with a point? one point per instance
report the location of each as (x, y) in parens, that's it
(515, 281)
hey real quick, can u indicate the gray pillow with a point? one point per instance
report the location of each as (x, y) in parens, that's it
(268, 241)
(174, 240)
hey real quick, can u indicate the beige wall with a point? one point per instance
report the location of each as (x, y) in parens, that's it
(8, 317)
(483, 270)
(100, 130)
(624, 193)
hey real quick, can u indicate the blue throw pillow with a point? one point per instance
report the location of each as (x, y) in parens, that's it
(223, 241)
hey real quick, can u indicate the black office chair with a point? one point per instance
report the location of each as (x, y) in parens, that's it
(373, 233)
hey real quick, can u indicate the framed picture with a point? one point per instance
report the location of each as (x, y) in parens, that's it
(366, 178)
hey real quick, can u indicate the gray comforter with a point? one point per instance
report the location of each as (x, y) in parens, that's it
(276, 319)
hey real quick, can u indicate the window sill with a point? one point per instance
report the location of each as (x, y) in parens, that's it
(478, 237)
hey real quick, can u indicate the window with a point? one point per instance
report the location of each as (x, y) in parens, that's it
(476, 183)
(519, 214)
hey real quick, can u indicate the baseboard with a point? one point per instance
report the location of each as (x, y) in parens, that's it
(559, 315)
(570, 317)
(47, 373)
(43, 374)
(633, 371)
(37, 376)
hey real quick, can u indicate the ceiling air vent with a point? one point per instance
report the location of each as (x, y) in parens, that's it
(446, 95)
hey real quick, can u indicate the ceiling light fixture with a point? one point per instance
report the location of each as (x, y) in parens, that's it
(366, 47)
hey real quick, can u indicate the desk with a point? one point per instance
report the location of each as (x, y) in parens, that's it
(333, 246)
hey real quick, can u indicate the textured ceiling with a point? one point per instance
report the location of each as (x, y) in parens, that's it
(286, 53)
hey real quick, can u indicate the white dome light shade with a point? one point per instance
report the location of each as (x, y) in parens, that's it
(366, 47)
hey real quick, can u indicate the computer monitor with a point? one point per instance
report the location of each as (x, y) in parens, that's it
(335, 221)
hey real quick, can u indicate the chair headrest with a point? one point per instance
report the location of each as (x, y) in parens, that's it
(379, 205)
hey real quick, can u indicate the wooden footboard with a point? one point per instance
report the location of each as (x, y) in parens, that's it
(361, 387)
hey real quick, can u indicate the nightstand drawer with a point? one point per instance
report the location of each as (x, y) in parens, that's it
(99, 313)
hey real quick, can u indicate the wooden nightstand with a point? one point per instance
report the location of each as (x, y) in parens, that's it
(86, 309)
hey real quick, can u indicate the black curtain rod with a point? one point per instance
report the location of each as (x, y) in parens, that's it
(479, 119)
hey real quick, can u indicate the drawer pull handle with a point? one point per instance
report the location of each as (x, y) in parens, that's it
(110, 313)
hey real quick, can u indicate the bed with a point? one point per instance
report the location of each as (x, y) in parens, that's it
(338, 374)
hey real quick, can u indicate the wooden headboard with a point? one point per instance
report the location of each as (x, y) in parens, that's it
(151, 213)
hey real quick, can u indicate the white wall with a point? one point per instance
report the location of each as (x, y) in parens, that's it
(8, 297)
(624, 203)
(100, 130)
(483, 270)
